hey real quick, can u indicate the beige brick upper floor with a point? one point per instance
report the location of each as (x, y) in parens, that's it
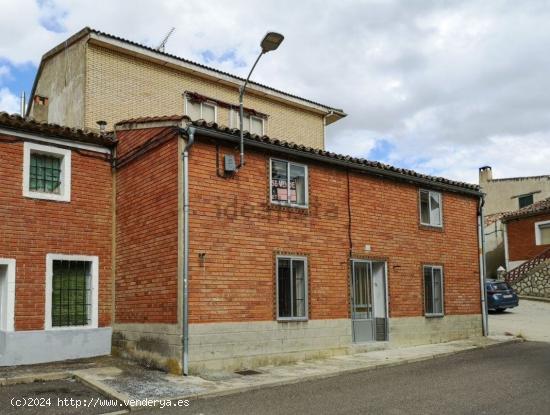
(120, 86)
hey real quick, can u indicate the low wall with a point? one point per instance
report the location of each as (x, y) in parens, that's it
(42, 346)
(412, 331)
(152, 345)
(232, 346)
(536, 283)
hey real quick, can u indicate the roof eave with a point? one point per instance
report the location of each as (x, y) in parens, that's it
(209, 132)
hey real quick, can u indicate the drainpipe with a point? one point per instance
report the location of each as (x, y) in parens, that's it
(190, 132)
(481, 235)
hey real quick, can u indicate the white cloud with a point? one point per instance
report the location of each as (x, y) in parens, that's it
(8, 101)
(450, 85)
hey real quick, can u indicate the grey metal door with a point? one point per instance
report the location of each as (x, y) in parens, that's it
(368, 301)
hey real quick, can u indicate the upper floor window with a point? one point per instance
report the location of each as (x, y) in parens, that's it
(525, 200)
(542, 233)
(46, 172)
(289, 183)
(200, 110)
(430, 208)
(251, 123)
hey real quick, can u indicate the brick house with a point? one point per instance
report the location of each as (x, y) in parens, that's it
(527, 233)
(56, 243)
(302, 253)
(96, 76)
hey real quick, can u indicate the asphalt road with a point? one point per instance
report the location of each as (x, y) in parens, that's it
(508, 379)
(53, 397)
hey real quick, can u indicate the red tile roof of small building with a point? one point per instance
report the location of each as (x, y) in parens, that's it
(17, 123)
(542, 206)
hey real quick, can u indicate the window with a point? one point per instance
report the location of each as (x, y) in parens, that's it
(433, 290)
(46, 172)
(542, 233)
(291, 288)
(288, 183)
(7, 294)
(71, 291)
(251, 123)
(430, 208)
(200, 110)
(525, 200)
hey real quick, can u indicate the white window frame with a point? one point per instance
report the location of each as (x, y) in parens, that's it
(306, 186)
(538, 236)
(235, 114)
(442, 314)
(306, 282)
(8, 292)
(64, 194)
(430, 192)
(209, 103)
(94, 290)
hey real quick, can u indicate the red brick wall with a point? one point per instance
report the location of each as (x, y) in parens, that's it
(32, 228)
(239, 233)
(147, 231)
(521, 238)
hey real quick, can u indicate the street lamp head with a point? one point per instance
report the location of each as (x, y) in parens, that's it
(271, 41)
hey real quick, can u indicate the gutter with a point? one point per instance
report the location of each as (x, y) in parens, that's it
(190, 132)
(337, 162)
(482, 267)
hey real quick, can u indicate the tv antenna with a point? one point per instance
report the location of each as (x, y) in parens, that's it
(160, 47)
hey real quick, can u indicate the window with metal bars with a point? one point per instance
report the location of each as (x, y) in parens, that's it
(45, 173)
(71, 293)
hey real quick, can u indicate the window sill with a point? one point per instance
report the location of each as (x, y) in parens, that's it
(292, 320)
(46, 196)
(302, 210)
(66, 328)
(434, 315)
(435, 228)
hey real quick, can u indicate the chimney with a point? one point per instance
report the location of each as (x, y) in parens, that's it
(485, 174)
(40, 108)
(102, 125)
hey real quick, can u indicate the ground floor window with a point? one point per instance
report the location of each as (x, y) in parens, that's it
(72, 291)
(433, 290)
(291, 288)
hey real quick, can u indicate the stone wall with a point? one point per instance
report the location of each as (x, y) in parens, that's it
(537, 283)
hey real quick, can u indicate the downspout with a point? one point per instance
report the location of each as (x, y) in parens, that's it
(506, 248)
(481, 236)
(190, 132)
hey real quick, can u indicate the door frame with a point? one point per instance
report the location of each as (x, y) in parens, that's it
(386, 291)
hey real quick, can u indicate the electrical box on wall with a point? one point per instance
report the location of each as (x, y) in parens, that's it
(367, 248)
(229, 163)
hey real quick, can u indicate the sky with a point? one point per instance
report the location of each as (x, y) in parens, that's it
(441, 87)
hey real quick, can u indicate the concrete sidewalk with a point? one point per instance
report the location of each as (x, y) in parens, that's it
(130, 382)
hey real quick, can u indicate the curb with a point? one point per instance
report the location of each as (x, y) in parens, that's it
(530, 298)
(37, 377)
(108, 392)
